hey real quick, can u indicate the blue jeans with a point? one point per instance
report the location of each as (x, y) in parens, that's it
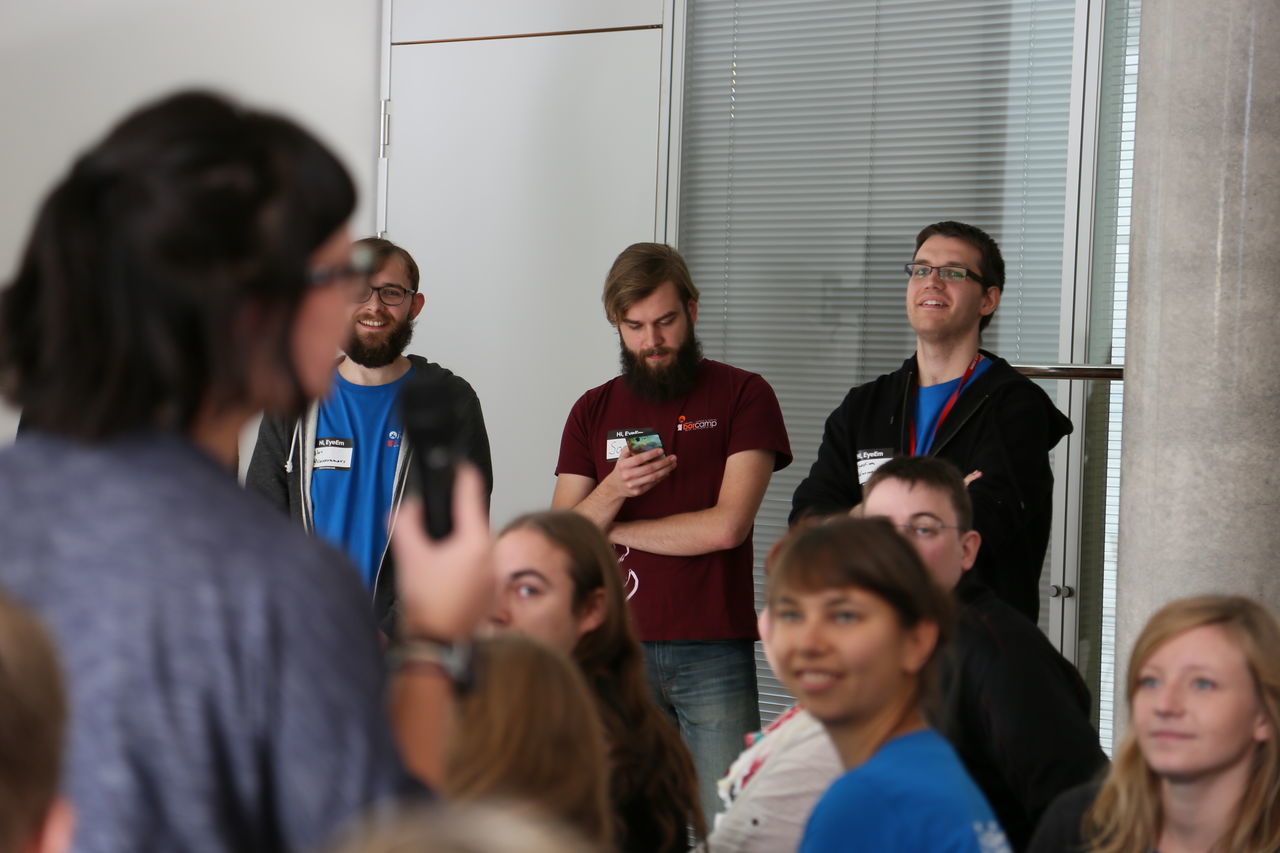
(708, 689)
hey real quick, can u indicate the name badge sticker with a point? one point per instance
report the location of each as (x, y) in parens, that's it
(616, 439)
(870, 460)
(334, 454)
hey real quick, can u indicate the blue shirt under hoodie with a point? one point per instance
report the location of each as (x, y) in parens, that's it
(358, 438)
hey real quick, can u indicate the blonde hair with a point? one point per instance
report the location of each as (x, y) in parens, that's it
(33, 714)
(528, 732)
(1126, 815)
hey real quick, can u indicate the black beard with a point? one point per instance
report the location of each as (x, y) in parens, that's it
(665, 383)
(380, 355)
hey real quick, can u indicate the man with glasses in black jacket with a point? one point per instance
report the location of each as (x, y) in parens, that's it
(955, 401)
(341, 468)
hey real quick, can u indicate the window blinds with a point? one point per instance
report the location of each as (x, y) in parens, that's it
(818, 137)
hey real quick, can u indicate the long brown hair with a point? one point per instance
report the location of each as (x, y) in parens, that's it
(1126, 815)
(653, 777)
(33, 716)
(529, 732)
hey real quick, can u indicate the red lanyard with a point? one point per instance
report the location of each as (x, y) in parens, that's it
(946, 410)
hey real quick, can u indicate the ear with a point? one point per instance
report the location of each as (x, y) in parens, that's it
(918, 645)
(990, 301)
(692, 306)
(970, 542)
(592, 614)
(1262, 728)
(415, 306)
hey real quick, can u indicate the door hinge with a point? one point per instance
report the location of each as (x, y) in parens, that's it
(384, 125)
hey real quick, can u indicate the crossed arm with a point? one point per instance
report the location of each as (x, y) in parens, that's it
(717, 528)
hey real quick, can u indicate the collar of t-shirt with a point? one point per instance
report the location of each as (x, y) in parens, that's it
(930, 402)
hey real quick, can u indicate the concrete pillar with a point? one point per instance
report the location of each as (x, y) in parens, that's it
(1200, 471)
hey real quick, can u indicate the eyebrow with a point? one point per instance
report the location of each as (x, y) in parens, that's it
(919, 260)
(527, 573)
(918, 515)
(666, 316)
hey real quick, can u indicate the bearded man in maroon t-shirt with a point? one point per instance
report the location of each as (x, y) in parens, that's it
(680, 515)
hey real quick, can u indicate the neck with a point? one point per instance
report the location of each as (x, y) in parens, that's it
(217, 433)
(858, 740)
(1198, 814)
(942, 361)
(358, 374)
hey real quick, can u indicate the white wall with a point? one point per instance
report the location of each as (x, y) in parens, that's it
(71, 68)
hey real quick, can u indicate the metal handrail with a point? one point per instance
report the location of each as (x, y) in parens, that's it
(1071, 371)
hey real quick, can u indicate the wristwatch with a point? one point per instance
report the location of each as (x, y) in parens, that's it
(453, 660)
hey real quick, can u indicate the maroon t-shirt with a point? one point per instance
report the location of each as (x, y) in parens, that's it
(708, 596)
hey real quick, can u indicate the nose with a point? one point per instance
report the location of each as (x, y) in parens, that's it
(1169, 700)
(653, 337)
(500, 614)
(811, 638)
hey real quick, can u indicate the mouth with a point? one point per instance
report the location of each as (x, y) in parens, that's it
(815, 681)
(370, 323)
(655, 354)
(931, 303)
(1167, 735)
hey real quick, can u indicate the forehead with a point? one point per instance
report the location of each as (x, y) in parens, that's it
(826, 596)
(520, 549)
(949, 251)
(661, 302)
(334, 251)
(392, 272)
(1206, 646)
(900, 501)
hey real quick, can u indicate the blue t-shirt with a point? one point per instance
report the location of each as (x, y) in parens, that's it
(357, 446)
(929, 404)
(912, 795)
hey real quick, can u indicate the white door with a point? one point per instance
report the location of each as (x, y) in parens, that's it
(517, 169)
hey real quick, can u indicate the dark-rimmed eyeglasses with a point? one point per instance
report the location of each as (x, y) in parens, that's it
(388, 294)
(925, 529)
(923, 271)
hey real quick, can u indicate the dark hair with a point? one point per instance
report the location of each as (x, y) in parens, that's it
(529, 732)
(33, 715)
(173, 251)
(931, 472)
(384, 250)
(653, 782)
(868, 553)
(641, 269)
(992, 271)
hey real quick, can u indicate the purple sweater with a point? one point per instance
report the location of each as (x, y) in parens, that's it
(225, 675)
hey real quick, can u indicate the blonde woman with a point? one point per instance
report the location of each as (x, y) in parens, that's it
(1199, 769)
(528, 734)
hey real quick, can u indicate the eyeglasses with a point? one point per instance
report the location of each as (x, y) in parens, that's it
(352, 277)
(388, 294)
(922, 271)
(925, 530)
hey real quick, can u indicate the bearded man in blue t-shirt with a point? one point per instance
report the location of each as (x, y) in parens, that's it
(342, 467)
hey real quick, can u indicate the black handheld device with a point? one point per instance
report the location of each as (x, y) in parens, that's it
(432, 418)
